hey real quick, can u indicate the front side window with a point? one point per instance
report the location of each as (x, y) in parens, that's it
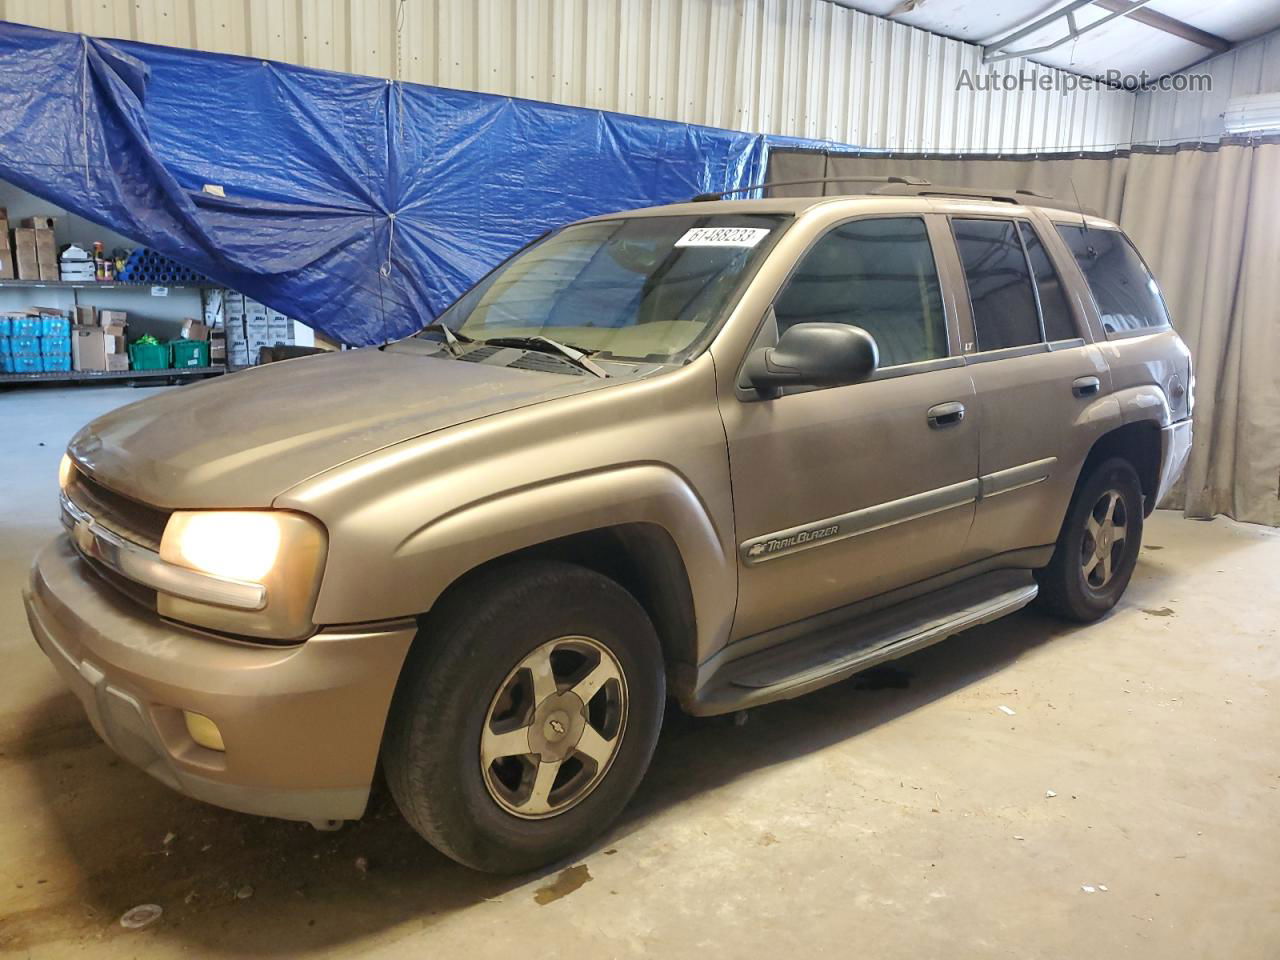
(877, 274)
(1004, 302)
(650, 288)
(1126, 293)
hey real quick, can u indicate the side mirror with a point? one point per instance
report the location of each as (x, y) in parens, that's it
(813, 355)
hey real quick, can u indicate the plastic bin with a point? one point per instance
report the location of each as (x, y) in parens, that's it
(190, 353)
(149, 356)
(6, 326)
(24, 363)
(6, 347)
(55, 364)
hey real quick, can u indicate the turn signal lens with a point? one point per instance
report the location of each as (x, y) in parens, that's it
(203, 730)
(236, 545)
(66, 469)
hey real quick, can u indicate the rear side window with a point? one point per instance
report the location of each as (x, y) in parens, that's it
(1126, 293)
(1056, 313)
(875, 274)
(1004, 303)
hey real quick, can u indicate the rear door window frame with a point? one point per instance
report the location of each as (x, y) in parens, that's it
(974, 353)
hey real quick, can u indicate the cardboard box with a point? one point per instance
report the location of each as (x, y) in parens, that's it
(38, 223)
(113, 322)
(88, 348)
(24, 248)
(117, 361)
(115, 344)
(193, 329)
(85, 317)
(6, 261)
(46, 254)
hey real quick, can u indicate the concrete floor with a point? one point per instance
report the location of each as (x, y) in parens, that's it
(901, 815)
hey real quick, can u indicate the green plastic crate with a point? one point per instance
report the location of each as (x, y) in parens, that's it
(149, 356)
(190, 353)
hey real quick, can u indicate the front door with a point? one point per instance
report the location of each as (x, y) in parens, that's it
(847, 492)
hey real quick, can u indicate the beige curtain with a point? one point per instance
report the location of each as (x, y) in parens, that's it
(1207, 218)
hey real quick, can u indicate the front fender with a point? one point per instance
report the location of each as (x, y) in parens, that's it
(427, 559)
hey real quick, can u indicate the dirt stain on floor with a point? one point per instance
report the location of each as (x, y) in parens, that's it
(1161, 612)
(570, 879)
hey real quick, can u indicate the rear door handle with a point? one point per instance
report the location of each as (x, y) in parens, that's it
(1085, 386)
(946, 414)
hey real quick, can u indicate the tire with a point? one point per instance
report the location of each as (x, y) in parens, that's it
(1089, 570)
(478, 672)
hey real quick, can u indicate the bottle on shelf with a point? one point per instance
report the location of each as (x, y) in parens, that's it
(99, 262)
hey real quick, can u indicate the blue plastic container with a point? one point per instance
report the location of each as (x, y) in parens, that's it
(52, 325)
(22, 326)
(55, 364)
(23, 363)
(55, 346)
(6, 326)
(25, 346)
(6, 361)
(6, 347)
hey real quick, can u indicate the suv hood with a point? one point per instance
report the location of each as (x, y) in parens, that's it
(242, 440)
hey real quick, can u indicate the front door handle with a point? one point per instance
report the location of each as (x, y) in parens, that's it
(946, 414)
(1085, 386)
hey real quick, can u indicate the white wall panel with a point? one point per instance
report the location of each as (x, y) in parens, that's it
(1170, 117)
(806, 68)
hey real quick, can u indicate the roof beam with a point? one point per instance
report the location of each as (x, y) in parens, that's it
(1170, 25)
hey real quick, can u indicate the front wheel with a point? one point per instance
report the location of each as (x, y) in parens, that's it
(1098, 546)
(525, 720)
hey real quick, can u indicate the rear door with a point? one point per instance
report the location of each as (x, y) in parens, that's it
(1034, 376)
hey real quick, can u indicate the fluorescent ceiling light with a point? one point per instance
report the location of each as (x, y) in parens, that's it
(1253, 114)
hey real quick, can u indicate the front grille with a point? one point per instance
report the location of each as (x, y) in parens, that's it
(134, 591)
(130, 519)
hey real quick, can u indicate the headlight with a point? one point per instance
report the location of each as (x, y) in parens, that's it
(240, 546)
(281, 550)
(66, 469)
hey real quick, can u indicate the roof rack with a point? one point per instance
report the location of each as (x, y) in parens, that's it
(906, 181)
(1025, 197)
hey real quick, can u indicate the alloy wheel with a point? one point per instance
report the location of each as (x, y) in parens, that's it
(553, 727)
(1103, 545)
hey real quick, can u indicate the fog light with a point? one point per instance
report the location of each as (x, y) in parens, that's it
(203, 730)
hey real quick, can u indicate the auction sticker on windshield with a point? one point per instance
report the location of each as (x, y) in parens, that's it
(722, 237)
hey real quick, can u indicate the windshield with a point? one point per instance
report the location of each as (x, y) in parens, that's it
(644, 288)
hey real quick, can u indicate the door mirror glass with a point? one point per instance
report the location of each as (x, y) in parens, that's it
(813, 355)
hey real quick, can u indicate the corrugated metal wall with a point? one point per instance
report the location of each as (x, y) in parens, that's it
(1170, 116)
(799, 67)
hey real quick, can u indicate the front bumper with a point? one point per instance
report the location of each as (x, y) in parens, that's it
(301, 724)
(1175, 447)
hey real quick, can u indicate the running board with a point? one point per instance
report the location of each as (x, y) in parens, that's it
(836, 651)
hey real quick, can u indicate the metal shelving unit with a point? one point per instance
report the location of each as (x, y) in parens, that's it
(172, 374)
(114, 376)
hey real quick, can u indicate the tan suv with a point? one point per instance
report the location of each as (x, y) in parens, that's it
(730, 451)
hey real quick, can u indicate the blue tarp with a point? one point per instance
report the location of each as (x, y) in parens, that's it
(360, 206)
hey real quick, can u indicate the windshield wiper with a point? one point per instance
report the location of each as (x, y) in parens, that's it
(452, 341)
(575, 356)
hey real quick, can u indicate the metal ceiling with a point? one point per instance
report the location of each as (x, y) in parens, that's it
(1156, 36)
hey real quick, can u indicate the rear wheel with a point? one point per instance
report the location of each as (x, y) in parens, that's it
(1098, 546)
(525, 720)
